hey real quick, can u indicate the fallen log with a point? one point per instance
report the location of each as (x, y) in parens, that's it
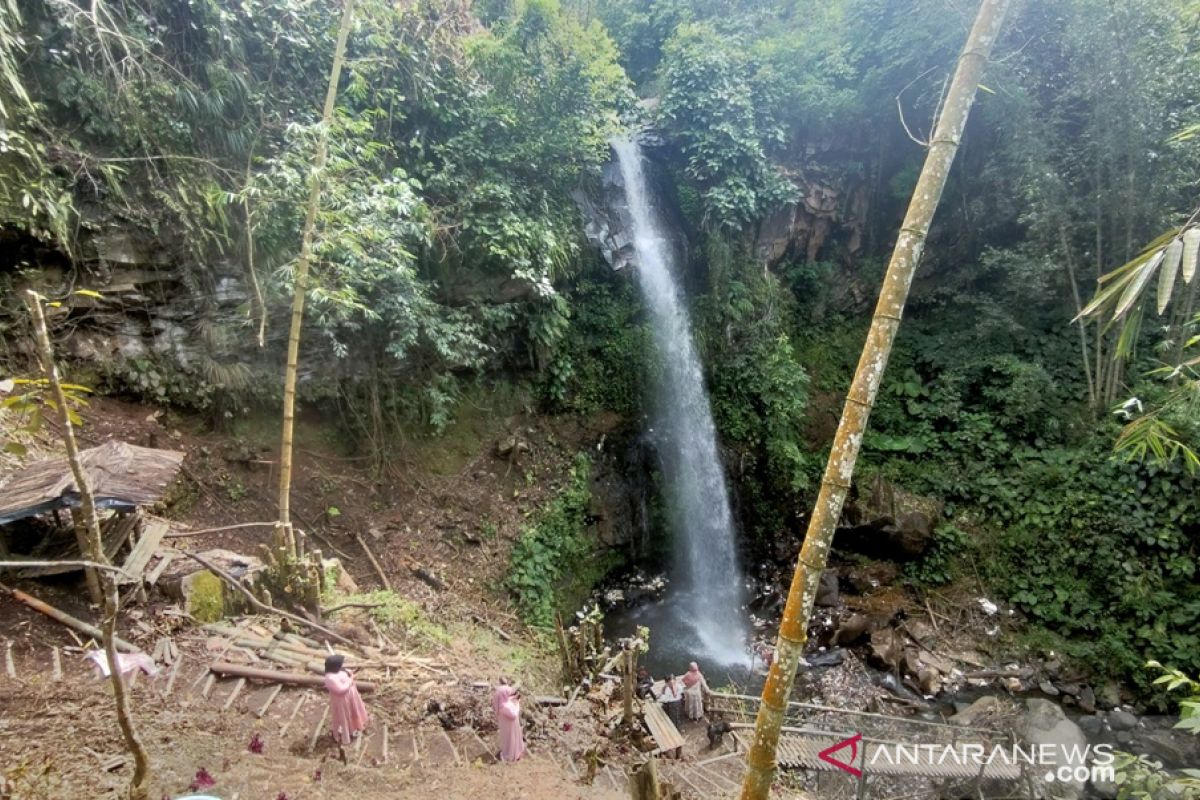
(276, 676)
(69, 621)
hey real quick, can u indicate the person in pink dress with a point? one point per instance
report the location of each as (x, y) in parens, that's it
(506, 702)
(694, 687)
(346, 709)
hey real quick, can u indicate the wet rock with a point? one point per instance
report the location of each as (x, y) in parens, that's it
(1104, 790)
(1124, 738)
(1121, 720)
(887, 648)
(1087, 700)
(1048, 688)
(1046, 724)
(827, 591)
(867, 578)
(889, 683)
(829, 658)
(1169, 748)
(1091, 725)
(1109, 695)
(852, 629)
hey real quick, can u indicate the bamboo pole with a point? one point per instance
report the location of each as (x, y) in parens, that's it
(286, 536)
(71, 622)
(835, 484)
(276, 676)
(139, 782)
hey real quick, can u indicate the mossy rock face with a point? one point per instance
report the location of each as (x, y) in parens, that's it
(205, 596)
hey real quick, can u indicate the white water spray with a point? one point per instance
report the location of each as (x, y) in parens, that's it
(708, 581)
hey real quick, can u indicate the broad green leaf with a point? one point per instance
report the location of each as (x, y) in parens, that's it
(1166, 277)
(89, 293)
(1191, 250)
(73, 415)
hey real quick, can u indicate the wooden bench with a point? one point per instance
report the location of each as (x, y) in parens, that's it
(666, 735)
(135, 564)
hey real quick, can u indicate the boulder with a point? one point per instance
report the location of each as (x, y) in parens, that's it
(1091, 725)
(981, 712)
(1121, 720)
(1087, 700)
(1109, 695)
(829, 658)
(827, 591)
(203, 594)
(890, 523)
(852, 629)
(1047, 727)
(867, 578)
(887, 648)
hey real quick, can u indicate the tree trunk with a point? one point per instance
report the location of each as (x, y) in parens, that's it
(285, 537)
(835, 484)
(138, 784)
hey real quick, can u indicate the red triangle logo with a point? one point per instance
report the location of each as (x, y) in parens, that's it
(826, 755)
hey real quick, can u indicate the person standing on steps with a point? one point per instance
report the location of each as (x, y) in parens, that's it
(671, 698)
(694, 687)
(346, 709)
(506, 702)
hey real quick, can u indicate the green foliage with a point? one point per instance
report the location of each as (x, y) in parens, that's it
(722, 123)
(391, 610)
(1142, 778)
(937, 565)
(1091, 547)
(554, 563)
(608, 348)
(758, 388)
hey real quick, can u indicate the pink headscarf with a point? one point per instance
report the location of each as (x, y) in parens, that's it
(692, 676)
(502, 695)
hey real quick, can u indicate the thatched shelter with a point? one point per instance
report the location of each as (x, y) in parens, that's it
(122, 477)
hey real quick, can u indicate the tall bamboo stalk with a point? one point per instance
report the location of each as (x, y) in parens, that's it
(285, 536)
(835, 484)
(138, 784)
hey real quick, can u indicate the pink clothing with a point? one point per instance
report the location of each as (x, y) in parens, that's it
(508, 719)
(692, 676)
(349, 714)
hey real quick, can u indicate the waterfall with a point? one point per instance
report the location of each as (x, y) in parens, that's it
(707, 584)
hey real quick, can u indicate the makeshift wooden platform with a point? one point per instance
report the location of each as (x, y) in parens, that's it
(666, 735)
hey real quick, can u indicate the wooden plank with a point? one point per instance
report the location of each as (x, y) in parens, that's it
(665, 734)
(57, 674)
(260, 713)
(303, 699)
(164, 559)
(233, 696)
(9, 667)
(140, 555)
(316, 734)
(171, 680)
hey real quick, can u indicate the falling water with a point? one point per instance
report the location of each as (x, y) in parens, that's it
(707, 584)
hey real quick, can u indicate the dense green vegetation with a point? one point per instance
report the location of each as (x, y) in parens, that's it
(450, 257)
(554, 563)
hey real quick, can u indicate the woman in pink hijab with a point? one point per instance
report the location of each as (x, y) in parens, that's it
(349, 715)
(506, 702)
(693, 692)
